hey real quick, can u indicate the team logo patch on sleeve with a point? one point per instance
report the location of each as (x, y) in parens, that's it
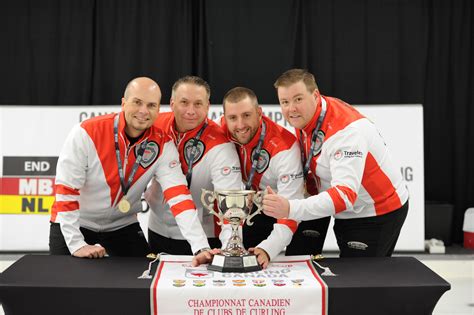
(319, 143)
(198, 149)
(152, 151)
(263, 160)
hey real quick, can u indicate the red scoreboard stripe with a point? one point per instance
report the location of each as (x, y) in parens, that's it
(34, 186)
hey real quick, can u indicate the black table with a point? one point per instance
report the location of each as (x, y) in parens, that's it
(67, 285)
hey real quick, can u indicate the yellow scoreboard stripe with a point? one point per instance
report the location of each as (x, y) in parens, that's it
(26, 204)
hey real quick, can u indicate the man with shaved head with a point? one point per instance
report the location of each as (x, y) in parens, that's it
(102, 171)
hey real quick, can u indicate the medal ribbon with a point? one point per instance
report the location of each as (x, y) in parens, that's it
(256, 156)
(126, 187)
(189, 175)
(314, 137)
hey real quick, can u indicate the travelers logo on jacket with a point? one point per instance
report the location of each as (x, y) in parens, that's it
(263, 160)
(199, 150)
(226, 170)
(338, 155)
(285, 178)
(152, 151)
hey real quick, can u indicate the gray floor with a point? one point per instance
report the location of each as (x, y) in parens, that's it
(456, 267)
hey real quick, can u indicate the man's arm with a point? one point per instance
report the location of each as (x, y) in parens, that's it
(178, 197)
(286, 168)
(347, 153)
(70, 177)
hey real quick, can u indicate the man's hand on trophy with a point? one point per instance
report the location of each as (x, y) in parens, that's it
(275, 205)
(205, 256)
(262, 257)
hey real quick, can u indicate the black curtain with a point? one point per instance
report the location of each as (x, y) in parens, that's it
(140, 38)
(364, 52)
(249, 43)
(85, 52)
(46, 55)
(448, 100)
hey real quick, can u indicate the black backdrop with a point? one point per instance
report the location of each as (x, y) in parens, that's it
(364, 52)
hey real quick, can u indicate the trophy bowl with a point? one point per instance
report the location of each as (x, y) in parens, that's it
(236, 207)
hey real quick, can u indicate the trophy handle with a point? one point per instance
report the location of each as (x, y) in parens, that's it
(207, 199)
(258, 201)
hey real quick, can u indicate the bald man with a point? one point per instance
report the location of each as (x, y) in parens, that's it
(102, 171)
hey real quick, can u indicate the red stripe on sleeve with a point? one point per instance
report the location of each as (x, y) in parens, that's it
(65, 190)
(182, 206)
(351, 195)
(339, 204)
(338, 201)
(289, 223)
(175, 191)
(63, 206)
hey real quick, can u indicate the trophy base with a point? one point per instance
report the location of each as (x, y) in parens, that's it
(245, 263)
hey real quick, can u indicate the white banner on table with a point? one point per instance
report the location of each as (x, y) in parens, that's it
(287, 286)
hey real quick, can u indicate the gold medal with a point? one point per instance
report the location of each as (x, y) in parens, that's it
(124, 205)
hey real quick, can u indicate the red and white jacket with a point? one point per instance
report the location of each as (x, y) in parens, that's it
(279, 167)
(215, 167)
(355, 174)
(88, 185)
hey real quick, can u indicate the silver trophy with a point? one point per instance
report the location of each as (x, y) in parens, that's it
(236, 207)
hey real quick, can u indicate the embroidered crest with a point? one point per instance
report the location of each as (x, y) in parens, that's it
(199, 149)
(263, 160)
(152, 151)
(319, 143)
